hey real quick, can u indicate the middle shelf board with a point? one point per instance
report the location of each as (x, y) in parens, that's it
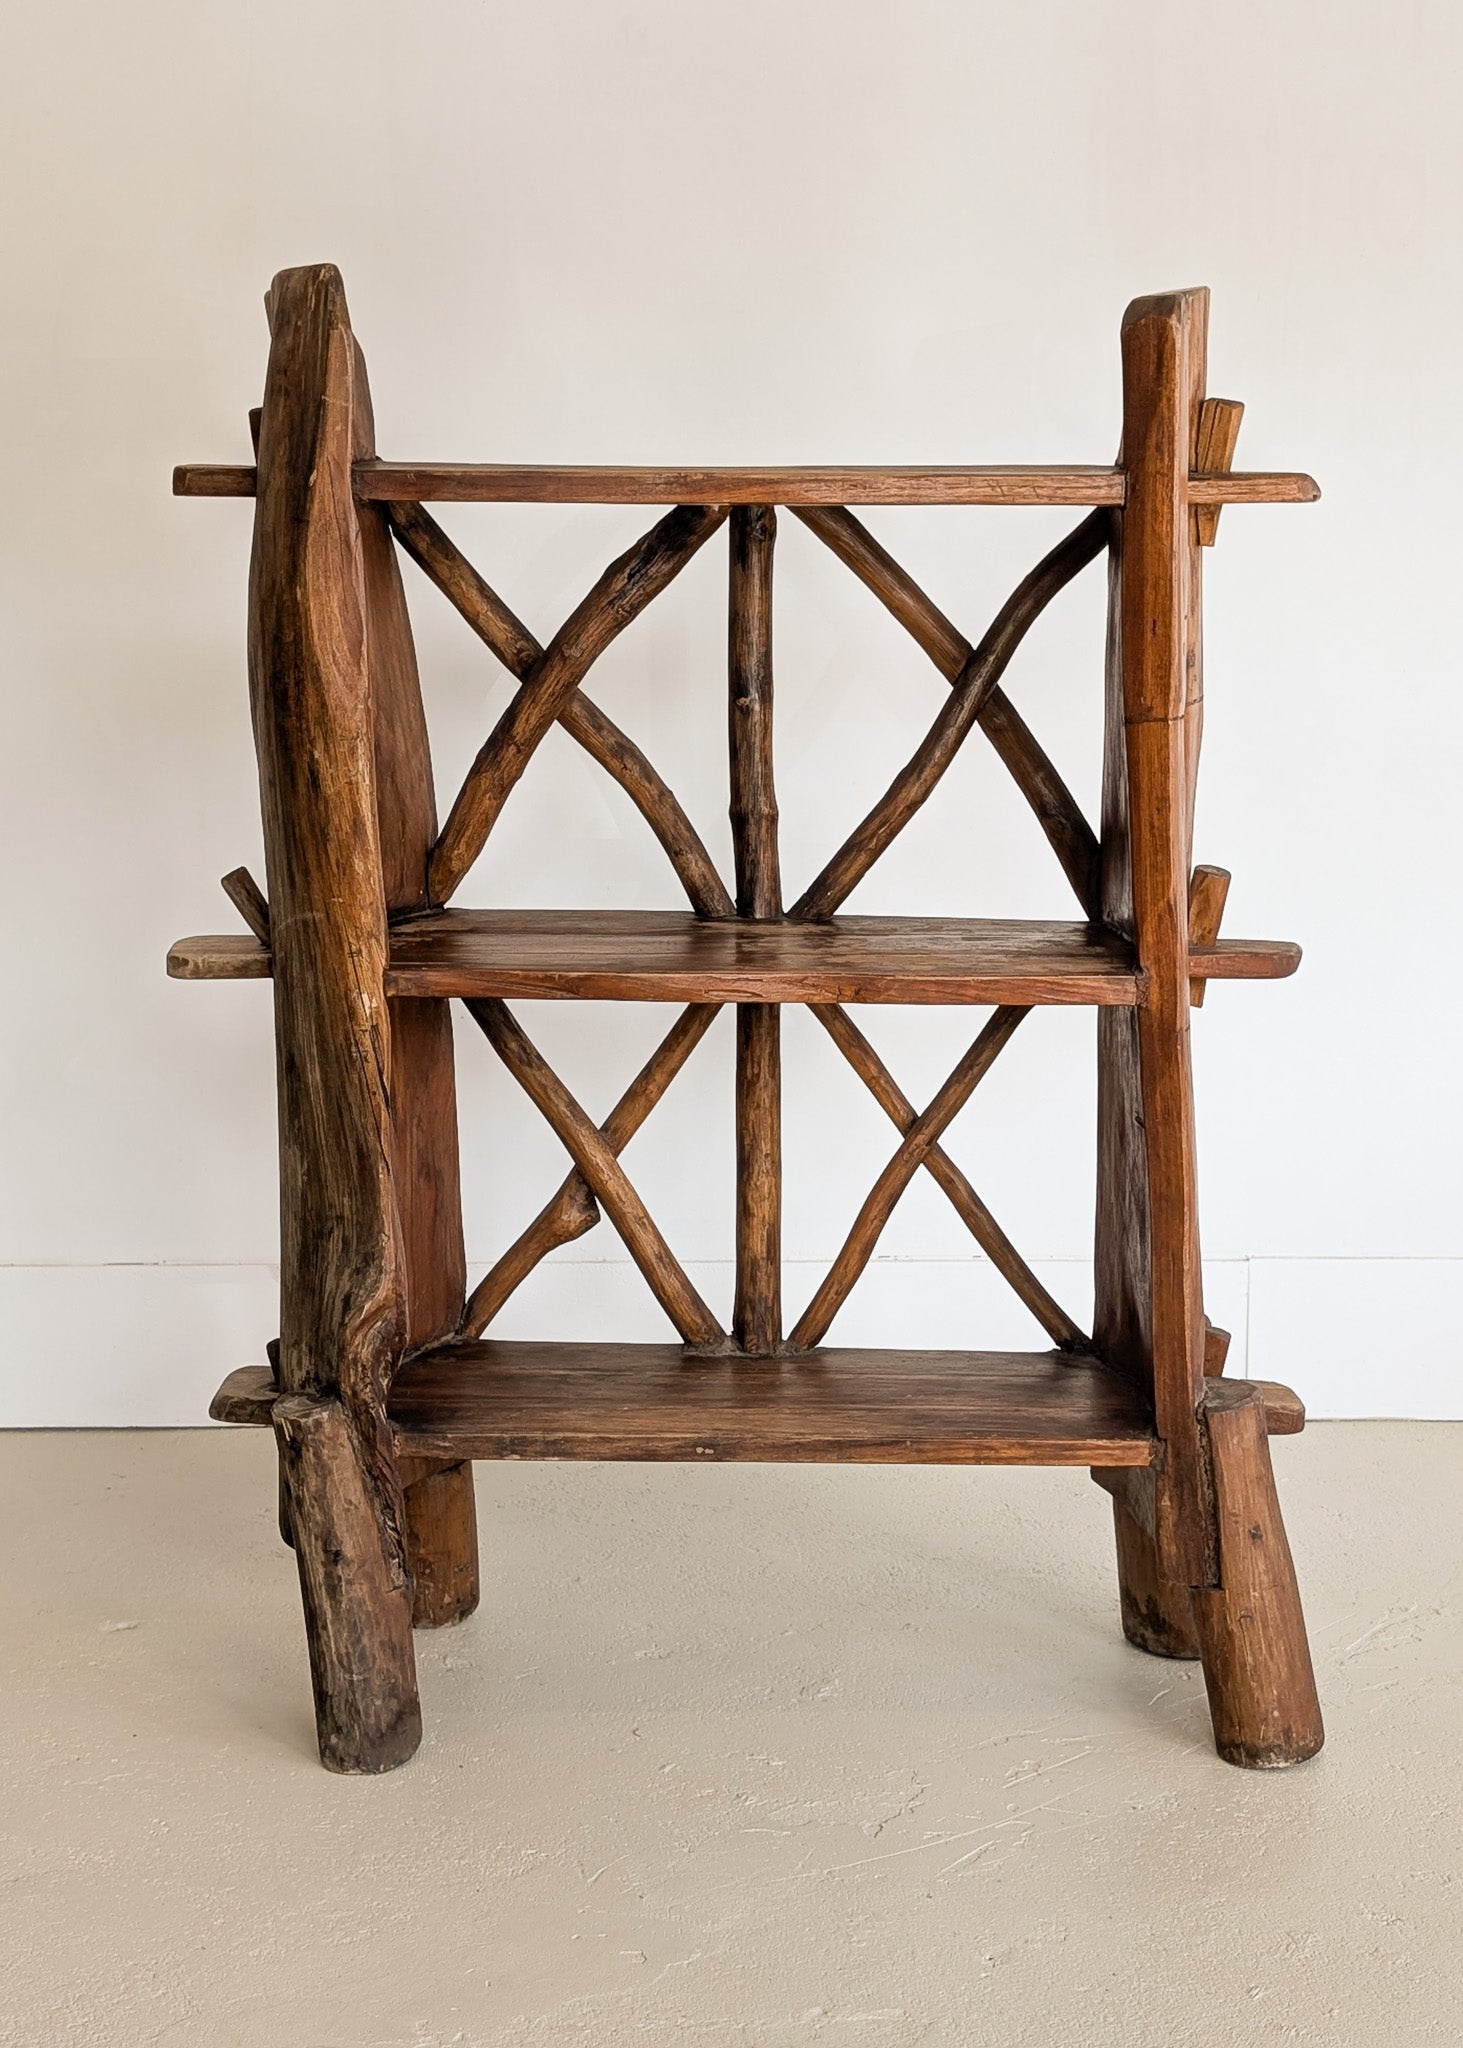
(672, 956)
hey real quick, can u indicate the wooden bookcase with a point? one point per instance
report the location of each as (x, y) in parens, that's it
(383, 1387)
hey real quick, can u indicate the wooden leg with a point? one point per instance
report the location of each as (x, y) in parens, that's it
(1157, 1616)
(356, 1592)
(442, 1545)
(1257, 1662)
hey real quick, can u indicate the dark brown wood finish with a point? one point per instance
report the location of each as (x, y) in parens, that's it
(441, 1545)
(381, 1390)
(1149, 1316)
(596, 1161)
(249, 900)
(749, 668)
(248, 1395)
(440, 1530)
(1157, 1616)
(1057, 811)
(663, 956)
(621, 594)
(971, 689)
(1215, 437)
(422, 1080)
(1208, 888)
(757, 1305)
(356, 1590)
(583, 720)
(757, 1310)
(508, 483)
(968, 1205)
(668, 956)
(343, 1276)
(573, 1210)
(523, 1400)
(914, 1150)
(1252, 1635)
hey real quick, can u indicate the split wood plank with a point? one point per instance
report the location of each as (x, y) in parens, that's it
(666, 956)
(648, 1401)
(247, 1396)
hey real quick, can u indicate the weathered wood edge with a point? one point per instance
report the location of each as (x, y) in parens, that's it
(238, 956)
(496, 483)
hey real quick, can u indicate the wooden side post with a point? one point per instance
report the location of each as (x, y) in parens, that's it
(1157, 1613)
(441, 1538)
(1215, 1523)
(757, 1318)
(441, 1542)
(356, 1592)
(343, 1276)
(1149, 1316)
(1257, 1662)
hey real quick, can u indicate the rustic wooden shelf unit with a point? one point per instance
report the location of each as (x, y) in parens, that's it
(382, 1388)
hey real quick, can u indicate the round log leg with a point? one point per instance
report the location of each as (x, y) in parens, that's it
(442, 1546)
(356, 1592)
(1157, 1615)
(1257, 1662)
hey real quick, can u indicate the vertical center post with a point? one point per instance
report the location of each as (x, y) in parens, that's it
(757, 1314)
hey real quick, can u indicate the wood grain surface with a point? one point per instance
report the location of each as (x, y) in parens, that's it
(1252, 1633)
(523, 1400)
(665, 956)
(588, 484)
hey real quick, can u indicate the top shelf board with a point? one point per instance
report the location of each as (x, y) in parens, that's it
(505, 483)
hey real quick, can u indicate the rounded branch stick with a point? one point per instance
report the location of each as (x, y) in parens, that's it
(1057, 811)
(967, 1204)
(978, 676)
(445, 564)
(620, 595)
(573, 1210)
(859, 1245)
(592, 1154)
(749, 669)
(757, 1315)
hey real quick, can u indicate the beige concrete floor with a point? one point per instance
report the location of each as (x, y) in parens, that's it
(762, 1756)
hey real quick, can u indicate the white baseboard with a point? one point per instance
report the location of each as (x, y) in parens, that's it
(144, 1346)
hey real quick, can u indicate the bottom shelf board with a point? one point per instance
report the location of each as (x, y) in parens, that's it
(499, 1399)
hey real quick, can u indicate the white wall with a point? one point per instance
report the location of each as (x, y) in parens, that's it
(861, 230)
